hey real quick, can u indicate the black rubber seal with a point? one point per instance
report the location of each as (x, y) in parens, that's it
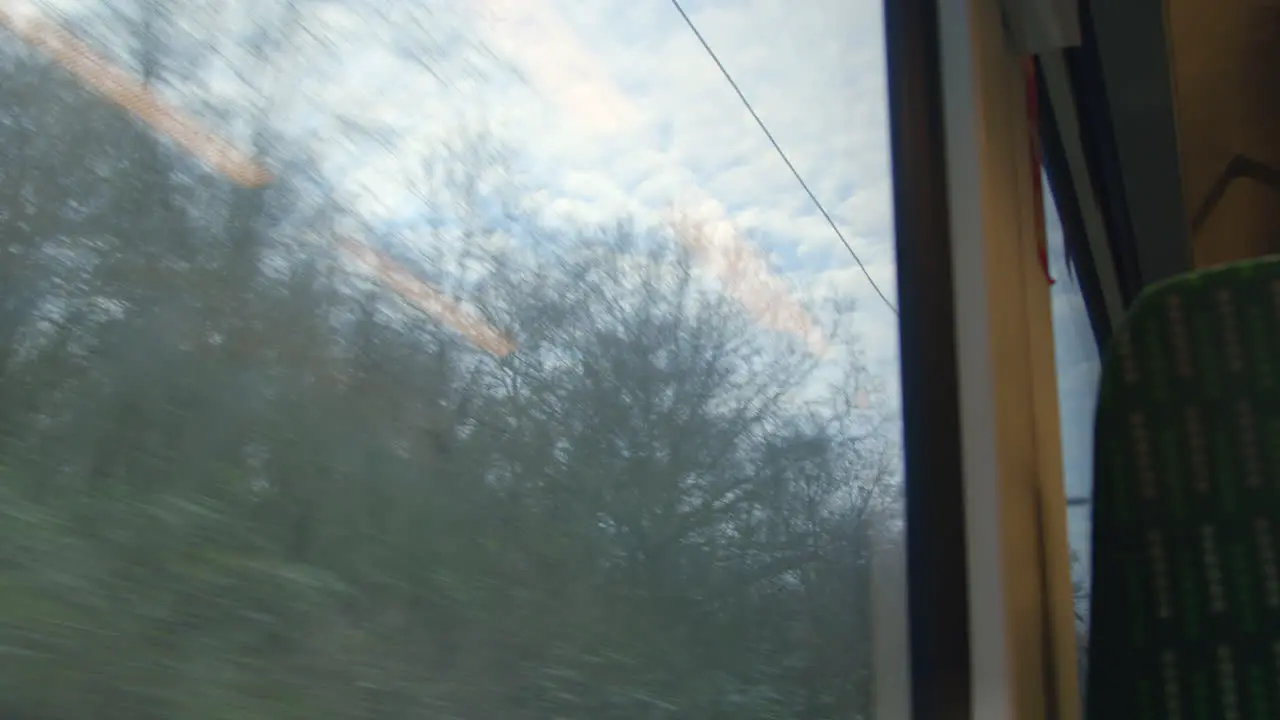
(938, 597)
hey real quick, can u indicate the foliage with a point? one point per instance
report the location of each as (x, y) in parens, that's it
(237, 482)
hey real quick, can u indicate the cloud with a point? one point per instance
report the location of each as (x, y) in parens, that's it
(533, 34)
(813, 71)
(620, 113)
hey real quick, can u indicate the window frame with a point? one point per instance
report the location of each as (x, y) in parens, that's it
(935, 560)
(989, 604)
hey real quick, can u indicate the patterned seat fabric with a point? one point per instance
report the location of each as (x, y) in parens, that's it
(1186, 596)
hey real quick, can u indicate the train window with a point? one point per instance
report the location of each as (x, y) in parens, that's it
(410, 358)
(1078, 367)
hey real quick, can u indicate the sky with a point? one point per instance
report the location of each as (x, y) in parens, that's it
(620, 112)
(1079, 370)
(595, 111)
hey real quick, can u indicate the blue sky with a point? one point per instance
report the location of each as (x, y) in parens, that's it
(605, 109)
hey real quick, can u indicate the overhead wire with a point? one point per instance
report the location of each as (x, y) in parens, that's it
(782, 154)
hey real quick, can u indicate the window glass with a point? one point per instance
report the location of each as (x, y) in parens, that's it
(409, 358)
(1079, 370)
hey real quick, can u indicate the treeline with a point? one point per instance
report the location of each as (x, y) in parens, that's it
(238, 482)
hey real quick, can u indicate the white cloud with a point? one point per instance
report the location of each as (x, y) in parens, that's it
(621, 112)
(813, 71)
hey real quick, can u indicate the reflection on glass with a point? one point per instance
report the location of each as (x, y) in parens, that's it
(416, 359)
(1079, 370)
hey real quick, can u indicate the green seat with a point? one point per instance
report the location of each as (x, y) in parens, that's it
(1185, 610)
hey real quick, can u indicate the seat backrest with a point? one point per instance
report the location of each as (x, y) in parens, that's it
(1185, 610)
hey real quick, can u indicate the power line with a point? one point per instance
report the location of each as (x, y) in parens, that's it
(817, 203)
